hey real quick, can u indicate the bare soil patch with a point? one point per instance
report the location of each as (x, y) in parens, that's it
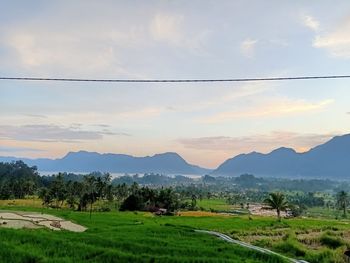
(18, 219)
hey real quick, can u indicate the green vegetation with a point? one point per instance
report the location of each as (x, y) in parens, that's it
(278, 202)
(17, 180)
(216, 204)
(96, 201)
(123, 237)
(342, 201)
(143, 237)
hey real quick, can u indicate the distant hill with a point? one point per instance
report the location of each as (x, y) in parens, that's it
(329, 160)
(82, 161)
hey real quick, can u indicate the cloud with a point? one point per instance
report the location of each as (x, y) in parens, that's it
(274, 108)
(12, 149)
(39, 116)
(336, 42)
(310, 22)
(168, 28)
(147, 112)
(106, 45)
(176, 31)
(248, 47)
(212, 97)
(43, 50)
(51, 133)
(232, 94)
(92, 44)
(260, 142)
(101, 125)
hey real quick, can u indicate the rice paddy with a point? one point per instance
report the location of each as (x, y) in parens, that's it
(143, 237)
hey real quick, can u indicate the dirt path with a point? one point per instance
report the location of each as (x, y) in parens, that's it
(18, 219)
(246, 245)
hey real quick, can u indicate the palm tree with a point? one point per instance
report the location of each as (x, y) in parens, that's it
(277, 201)
(90, 184)
(342, 201)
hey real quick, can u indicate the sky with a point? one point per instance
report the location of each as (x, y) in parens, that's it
(206, 123)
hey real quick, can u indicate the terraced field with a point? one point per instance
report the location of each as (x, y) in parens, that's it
(142, 237)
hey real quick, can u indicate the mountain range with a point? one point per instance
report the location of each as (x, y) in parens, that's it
(83, 161)
(328, 160)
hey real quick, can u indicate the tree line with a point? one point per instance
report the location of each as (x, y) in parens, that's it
(17, 181)
(78, 192)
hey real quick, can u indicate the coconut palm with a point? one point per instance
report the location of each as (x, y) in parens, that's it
(342, 201)
(90, 185)
(277, 201)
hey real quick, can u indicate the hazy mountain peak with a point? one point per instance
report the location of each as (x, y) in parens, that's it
(168, 154)
(80, 153)
(328, 160)
(339, 139)
(84, 161)
(337, 143)
(283, 150)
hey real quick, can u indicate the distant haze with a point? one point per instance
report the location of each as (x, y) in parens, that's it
(329, 160)
(166, 163)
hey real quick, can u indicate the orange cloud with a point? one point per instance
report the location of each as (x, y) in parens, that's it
(278, 107)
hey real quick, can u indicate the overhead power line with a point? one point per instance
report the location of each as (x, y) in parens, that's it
(176, 80)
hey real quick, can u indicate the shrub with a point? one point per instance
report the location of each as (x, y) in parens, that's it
(104, 209)
(326, 256)
(262, 242)
(291, 247)
(132, 203)
(331, 242)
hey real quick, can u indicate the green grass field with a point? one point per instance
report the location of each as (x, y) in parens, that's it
(141, 237)
(318, 212)
(121, 237)
(214, 204)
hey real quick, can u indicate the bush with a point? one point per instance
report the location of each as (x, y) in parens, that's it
(104, 209)
(326, 256)
(297, 210)
(262, 242)
(132, 203)
(291, 247)
(331, 242)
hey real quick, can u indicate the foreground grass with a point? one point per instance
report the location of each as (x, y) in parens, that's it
(141, 237)
(121, 237)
